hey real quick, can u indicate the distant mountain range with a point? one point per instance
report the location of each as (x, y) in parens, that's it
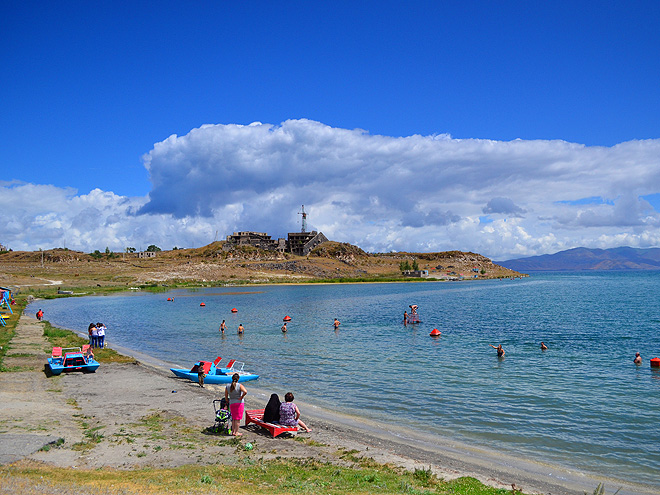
(621, 258)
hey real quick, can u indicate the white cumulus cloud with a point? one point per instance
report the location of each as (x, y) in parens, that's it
(415, 193)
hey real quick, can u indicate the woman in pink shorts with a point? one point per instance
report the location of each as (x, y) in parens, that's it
(234, 395)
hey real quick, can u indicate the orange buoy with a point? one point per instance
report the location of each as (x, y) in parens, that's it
(202, 304)
(655, 362)
(435, 333)
(169, 298)
(286, 318)
(234, 310)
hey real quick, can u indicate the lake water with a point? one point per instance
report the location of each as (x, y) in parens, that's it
(582, 403)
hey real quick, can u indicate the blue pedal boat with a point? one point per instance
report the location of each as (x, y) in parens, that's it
(215, 375)
(72, 359)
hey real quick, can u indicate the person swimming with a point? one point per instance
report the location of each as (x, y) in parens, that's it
(638, 359)
(543, 346)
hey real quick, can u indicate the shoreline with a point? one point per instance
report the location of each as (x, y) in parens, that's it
(448, 458)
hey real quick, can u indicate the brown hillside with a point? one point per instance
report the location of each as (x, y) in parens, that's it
(211, 265)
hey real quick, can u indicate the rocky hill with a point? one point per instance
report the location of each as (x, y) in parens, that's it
(214, 265)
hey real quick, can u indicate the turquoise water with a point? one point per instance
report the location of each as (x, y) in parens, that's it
(581, 404)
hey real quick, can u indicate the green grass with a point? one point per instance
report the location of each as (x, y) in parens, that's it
(7, 332)
(255, 476)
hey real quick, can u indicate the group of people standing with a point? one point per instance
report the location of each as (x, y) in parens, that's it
(97, 335)
(241, 329)
(223, 327)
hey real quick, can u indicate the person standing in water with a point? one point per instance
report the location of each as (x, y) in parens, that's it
(240, 329)
(500, 351)
(223, 327)
(638, 359)
(284, 327)
(336, 324)
(543, 346)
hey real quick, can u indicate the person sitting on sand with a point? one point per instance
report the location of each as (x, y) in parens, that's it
(240, 329)
(500, 351)
(272, 410)
(235, 394)
(336, 324)
(638, 359)
(289, 413)
(543, 346)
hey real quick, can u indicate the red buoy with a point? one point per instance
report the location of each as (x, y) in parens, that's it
(202, 304)
(435, 333)
(169, 298)
(655, 362)
(286, 318)
(234, 310)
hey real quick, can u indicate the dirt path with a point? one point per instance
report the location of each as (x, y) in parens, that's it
(33, 410)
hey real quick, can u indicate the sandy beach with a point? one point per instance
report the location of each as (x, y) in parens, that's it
(107, 420)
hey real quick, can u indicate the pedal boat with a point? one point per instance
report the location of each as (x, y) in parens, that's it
(215, 375)
(71, 359)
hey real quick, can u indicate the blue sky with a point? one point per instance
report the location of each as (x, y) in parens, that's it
(91, 92)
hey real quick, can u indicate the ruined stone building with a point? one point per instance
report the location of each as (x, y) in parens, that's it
(299, 243)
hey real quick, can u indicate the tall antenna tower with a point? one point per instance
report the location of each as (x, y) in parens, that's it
(304, 219)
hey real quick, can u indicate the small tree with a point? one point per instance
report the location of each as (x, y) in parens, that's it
(153, 248)
(130, 249)
(404, 265)
(415, 266)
